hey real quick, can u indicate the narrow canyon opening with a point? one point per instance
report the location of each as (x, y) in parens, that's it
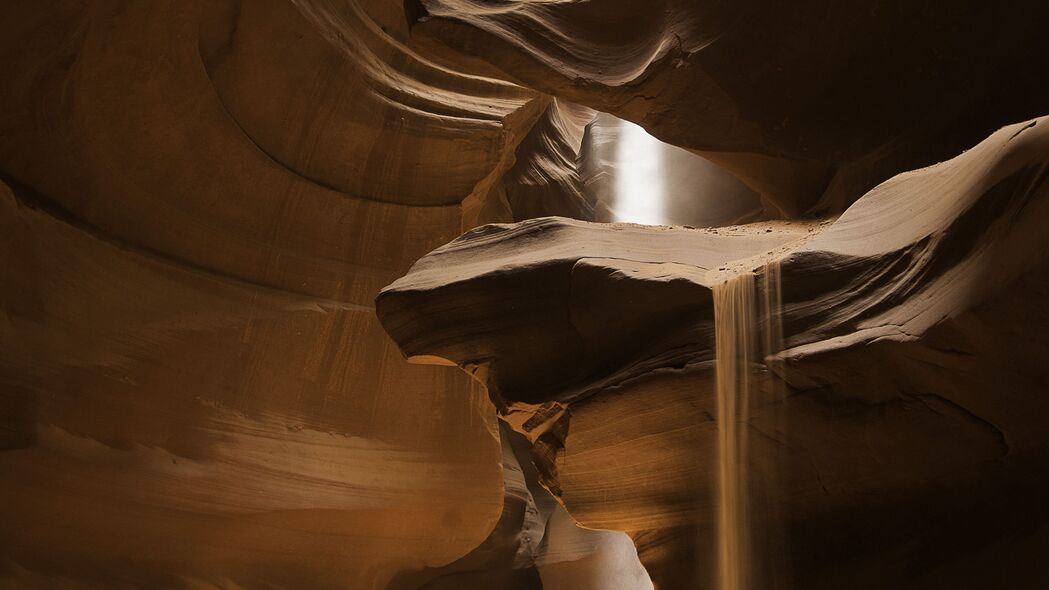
(634, 177)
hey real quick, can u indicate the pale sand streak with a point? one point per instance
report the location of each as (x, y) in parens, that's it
(734, 321)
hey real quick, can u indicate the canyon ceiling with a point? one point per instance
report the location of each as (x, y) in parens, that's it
(324, 293)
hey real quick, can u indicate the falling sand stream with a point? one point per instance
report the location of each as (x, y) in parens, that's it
(733, 324)
(737, 317)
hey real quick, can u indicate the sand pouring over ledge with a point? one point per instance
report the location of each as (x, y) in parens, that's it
(734, 326)
(201, 200)
(621, 321)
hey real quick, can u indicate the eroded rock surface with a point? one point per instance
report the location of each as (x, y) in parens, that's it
(200, 201)
(904, 403)
(798, 99)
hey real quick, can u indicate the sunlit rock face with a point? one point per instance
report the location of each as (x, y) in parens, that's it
(905, 399)
(544, 178)
(811, 103)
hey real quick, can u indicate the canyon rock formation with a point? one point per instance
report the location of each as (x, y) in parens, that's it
(911, 356)
(811, 103)
(201, 200)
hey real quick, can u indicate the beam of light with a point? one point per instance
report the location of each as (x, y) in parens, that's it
(639, 177)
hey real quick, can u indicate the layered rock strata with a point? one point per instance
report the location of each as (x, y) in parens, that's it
(811, 103)
(895, 434)
(199, 203)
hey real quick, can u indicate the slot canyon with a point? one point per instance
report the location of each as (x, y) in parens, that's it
(524, 294)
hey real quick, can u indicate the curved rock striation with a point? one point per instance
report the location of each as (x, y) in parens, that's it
(544, 179)
(565, 283)
(903, 403)
(166, 426)
(199, 202)
(810, 103)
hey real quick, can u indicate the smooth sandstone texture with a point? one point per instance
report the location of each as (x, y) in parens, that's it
(544, 179)
(165, 426)
(900, 443)
(811, 103)
(200, 201)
